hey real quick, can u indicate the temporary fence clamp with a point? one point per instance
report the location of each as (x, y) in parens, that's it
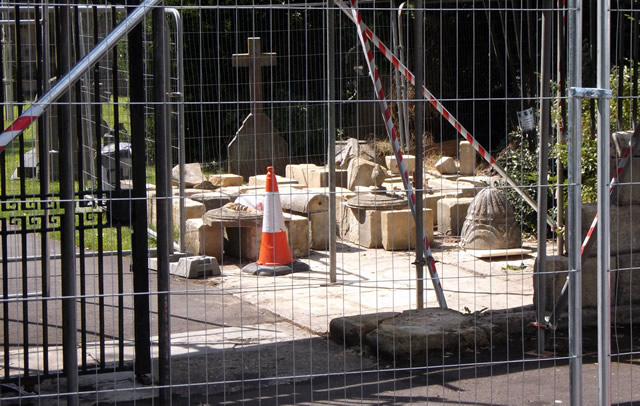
(590, 93)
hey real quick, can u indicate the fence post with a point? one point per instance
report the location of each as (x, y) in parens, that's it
(574, 200)
(604, 228)
(67, 224)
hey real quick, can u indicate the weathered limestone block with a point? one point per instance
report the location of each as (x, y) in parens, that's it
(399, 229)
(346, 151)
(556, 275)
(628, 191)
(625, 228)
(395, 184)
(451, 214)
(360, 173)
(361, 226)
(315, 207)
(414, 333)
(192, 210)
(320, 178)
(192, 174)
(467, 158)
(620, 141)
(211, 200)
(446, 166)
(297, 234)
(448, 186)
(301, 172)
(202, 239)
(260, 180)
(431, 202)
(188, 192)
(225, 179)
(392, 163)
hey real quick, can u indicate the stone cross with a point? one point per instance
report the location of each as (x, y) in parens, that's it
(255, 60)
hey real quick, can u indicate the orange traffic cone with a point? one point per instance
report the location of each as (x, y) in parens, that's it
(275, 255)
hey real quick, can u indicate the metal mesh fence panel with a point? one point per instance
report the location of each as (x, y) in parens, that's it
(216, 203)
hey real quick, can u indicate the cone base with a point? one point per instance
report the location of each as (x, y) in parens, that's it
(276, 270)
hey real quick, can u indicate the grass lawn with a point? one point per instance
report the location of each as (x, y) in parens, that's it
(11, 160)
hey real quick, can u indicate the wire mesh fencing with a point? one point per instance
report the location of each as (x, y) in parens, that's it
(216, 203)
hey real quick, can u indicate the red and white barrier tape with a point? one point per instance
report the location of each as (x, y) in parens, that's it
(20, 124)
(444, 112)
(64, 83)
(375, 77)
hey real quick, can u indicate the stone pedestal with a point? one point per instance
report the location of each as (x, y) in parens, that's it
(361, 226)
(399, 229)
(192, 210)
(361, 217)
(256, 146)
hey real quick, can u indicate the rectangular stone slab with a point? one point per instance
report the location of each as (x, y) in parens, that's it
(399, 229)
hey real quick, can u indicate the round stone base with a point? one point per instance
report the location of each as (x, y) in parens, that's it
(276, 270)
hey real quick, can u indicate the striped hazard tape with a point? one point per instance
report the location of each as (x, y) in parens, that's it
(19, 125)
(64, 83)
(375, 77)
(463, 132)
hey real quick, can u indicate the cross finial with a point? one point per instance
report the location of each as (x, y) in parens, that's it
(255, 60)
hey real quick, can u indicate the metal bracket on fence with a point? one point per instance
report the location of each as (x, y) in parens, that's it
(590, 93)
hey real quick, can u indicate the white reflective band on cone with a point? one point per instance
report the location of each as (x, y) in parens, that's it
(272, 220)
